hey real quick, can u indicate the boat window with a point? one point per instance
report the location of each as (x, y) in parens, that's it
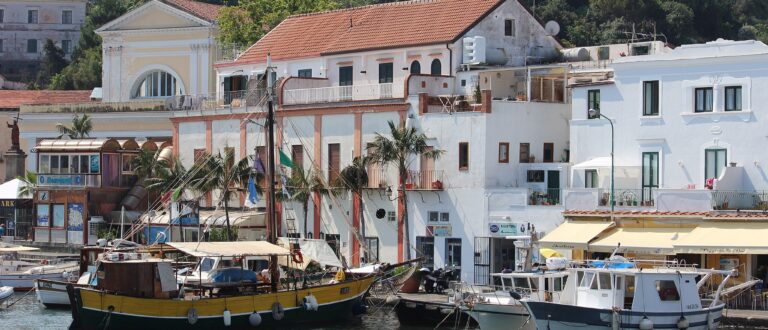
(605, 281)
(496, 281)
(534, 283)
(207, 264)
(559, 283)
(521, 283)
(225, 263)
(667, 290)
(594, 282)
(586, 280)
(619, 281)
(629, 292)
(580, 276)
(507, 282)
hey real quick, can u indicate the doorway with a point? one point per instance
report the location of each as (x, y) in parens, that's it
(553, 187)
(503, 254)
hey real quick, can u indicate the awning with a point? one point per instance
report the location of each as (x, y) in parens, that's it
(316, 250)
(208, 249)
(78, 145)
(574, 234)
(10, 190)
(640, 240)
(726, 238)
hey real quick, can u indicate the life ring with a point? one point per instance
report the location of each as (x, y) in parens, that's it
(297, 257)
(278, 312)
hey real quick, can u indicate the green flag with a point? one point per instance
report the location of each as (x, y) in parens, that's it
(285, 160)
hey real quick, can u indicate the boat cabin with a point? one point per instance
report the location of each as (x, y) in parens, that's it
(148, 278)
(647, 290)
(538, 286)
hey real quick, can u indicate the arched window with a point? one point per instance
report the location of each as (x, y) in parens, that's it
(415, 67)
(437, 68)
(156, 83)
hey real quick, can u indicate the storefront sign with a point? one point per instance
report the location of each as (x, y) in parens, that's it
(503, 229)
(439, 231)
(60, 180)
(7, 205)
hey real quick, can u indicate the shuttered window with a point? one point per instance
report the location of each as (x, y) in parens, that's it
(334, 162)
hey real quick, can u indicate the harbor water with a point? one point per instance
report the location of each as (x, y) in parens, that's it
(28, 314)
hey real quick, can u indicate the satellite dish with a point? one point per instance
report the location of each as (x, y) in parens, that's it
(552, 28)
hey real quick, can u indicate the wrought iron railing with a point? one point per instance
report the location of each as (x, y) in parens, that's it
(425, 180)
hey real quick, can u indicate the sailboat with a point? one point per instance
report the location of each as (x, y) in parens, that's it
(144, 293)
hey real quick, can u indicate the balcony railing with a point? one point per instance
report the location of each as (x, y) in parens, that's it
(155, 104)
(628, 197)
(204, 102)
(425, 180)
(377, 177)
(739, 200)
(339, 94)
(228, 52)
(545, 197)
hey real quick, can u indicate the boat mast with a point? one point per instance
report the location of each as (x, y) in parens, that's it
(271, 214)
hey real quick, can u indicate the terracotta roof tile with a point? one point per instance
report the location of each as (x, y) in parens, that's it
(757, 215)
(206, 11)
(13, 99)
(399, 24)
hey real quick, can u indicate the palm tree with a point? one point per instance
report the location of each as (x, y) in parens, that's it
(30, 184)
(221, 172)
(301, 186)
(81, 127)
(398, 150)
(354, 178)
(168, 176)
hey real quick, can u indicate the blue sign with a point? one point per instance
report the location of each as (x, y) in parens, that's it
(505, 229)
(60, 180)
(75, 217)
(94, 163)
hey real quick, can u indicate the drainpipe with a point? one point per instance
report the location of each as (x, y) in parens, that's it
(450, 59)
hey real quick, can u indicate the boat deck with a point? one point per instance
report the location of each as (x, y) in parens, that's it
(744, 318)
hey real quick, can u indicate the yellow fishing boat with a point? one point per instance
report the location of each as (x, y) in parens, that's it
(143, 294)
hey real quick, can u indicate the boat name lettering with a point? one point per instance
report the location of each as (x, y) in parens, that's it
(692, 306)
(344, 290)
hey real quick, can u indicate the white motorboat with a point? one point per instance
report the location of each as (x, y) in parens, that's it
(5, 293)
(24, 280)
(499, 307)
(621, 296)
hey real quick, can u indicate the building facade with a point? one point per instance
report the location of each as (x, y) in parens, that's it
(335, 97)
(25, 26)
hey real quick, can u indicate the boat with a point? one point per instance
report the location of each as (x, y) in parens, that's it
(5, 293)
(616, 294)
(149, 296)
(499, 306)
(21, 274)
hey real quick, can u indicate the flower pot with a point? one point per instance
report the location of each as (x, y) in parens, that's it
(409, 186)
(437, 185)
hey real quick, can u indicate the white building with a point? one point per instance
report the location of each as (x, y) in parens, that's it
(463, 82)
(26, 25)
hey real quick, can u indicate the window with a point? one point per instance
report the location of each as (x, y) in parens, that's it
(372, 253)
(525, 152)
(128, 163)
(435, 216)
(32, 16)
(334, 162)
(667, 290)
(535, 176)
(297, 155)
(650, 174)
(32, 46)
(651, 98)
(509, 27)
(198, 154)
(444, 217)
(714, 162)
(503, 152)
(590, 179)
(702, 99)
(603, 53)
(385, 73)
(66, 17)
(43, 214)
(66, 46)
(549, 152)
(391, 217)
(345, 76)
(305, 73)
(593, 102)
(436, 68)
(58, 215)
(2, 15)
(453, 252)
(463, 156)
(733, 98)
(640, 50)
(605, 281)
(1, 45)
(415, 67)
(426, 247)
(157, 84)
(334, 241)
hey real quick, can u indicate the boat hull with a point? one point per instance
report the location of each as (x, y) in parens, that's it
(414, 312)
(336, 303)
(21, 282)
(497, 316)
(53, 294)
(555, 316)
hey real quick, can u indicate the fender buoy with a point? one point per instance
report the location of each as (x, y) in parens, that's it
(192, 316)
(310, 303)
(254, 319)
(278, 312)
(298, 257)
(227, 318)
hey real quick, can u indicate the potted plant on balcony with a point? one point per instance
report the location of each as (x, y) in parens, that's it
(437, 185)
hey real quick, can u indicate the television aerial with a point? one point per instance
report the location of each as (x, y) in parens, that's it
(552, 28)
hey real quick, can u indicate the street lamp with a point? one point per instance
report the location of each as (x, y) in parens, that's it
(593, 114)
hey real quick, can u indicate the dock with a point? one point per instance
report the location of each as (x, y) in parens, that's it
(745, 319)
(431, 310)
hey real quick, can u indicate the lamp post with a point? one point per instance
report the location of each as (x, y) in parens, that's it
(596, 113)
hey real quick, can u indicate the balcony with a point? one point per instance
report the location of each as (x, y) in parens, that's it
(143, 105)
(739, 200)
(627, 197)
(214, 101)
(544, 197)
(377, 177)
(228, 52)
(340, 94)
(425, 180)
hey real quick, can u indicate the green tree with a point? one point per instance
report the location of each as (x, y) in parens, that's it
(301, 186)
(354, 178)
(247, 22)
(222, 173)
(168, 176)
(81, 127)
(399, 149)
(27, 190)
(52, 63)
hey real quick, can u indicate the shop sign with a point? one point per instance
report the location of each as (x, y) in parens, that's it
(60, 180)
(503, 229)
(7, 204)
(439, 231)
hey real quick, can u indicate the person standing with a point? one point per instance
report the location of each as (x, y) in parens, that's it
(2, 229)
